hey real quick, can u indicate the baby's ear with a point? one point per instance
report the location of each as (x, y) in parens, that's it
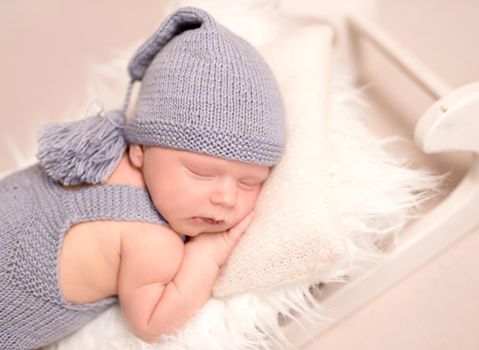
(136, 154)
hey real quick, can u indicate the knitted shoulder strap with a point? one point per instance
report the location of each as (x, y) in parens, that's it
(113, 202)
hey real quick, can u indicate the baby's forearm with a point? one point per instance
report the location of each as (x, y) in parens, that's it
(186, 293)
(156, 308)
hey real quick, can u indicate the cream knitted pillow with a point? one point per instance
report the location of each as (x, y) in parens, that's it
(296, 233)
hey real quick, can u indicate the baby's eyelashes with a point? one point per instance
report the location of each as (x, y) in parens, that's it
(200, 174)
(245, 184)
(249, 185)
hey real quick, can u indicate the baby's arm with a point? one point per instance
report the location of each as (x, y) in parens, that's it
(163, 282)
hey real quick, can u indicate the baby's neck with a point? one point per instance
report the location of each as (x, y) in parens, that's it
(126, 174)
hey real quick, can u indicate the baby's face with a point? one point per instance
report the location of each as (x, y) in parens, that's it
(197, 193)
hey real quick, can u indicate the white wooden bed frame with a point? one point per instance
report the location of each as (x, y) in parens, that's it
(450, 124)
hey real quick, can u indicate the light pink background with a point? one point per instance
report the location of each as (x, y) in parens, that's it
(47, 46)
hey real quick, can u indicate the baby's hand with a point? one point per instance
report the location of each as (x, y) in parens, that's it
(219, 246)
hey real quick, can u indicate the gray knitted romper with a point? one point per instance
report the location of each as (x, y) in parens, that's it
(35, 213)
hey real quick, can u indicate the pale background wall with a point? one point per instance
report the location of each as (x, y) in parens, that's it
(47, 46)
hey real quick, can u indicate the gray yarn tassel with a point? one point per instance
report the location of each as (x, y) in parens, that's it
(85, 151)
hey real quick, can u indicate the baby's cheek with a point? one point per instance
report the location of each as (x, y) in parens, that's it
(247, 203)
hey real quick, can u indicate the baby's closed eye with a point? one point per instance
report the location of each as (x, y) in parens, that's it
(201, 174)
(250, 185)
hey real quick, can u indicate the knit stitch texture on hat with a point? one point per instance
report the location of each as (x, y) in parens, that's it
(206, 90)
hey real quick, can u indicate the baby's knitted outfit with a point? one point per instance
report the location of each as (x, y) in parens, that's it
(35, 213)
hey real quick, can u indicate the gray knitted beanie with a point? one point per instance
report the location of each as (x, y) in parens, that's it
(203, 89)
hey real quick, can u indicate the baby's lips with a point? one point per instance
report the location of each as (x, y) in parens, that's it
(206, 220)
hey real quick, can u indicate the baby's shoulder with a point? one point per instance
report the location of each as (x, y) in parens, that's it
(144, 231)
(153, 249)
(142, 237)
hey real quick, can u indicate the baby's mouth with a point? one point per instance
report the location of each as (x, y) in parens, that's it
(208, 221)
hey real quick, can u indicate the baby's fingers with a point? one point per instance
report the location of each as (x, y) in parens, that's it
(239, 229)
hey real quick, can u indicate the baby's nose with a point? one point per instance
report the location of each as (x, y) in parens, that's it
(225, 193)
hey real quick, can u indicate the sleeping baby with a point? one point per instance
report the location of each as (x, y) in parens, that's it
(142, 213)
